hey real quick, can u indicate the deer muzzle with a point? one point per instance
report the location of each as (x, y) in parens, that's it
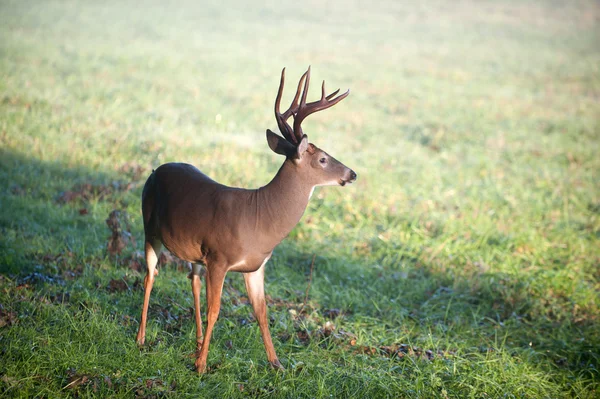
(349, 178)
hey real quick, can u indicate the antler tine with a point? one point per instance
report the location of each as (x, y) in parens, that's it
(329, 97)
(294, 106)
(305, 91)
(284, 127)
(279, 93)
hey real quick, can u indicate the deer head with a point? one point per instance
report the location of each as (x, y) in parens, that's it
(317, 167)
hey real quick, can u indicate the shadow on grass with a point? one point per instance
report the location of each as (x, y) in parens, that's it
(48, 209)
(428, 303)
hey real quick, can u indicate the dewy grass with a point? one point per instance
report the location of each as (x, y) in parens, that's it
(463, 262)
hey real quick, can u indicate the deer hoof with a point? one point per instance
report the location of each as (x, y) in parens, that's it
(140, 340)
(276, 365)
(200, 367)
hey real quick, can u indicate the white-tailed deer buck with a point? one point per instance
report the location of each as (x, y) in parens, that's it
(234, 229)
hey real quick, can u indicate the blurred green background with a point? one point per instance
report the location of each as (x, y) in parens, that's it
(464, 262)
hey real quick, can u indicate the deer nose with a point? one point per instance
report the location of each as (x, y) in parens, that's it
(352, 175)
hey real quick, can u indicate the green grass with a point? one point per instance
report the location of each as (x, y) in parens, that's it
(473, 231)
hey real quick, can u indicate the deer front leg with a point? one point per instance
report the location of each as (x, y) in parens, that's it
(152, 250)
(255, 285)
(214, 287)
(196, 288)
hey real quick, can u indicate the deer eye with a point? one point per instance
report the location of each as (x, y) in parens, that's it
(323, 160)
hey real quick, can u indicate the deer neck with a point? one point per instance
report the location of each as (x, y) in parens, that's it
(282, 202)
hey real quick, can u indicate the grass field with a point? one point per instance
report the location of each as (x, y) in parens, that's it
(464, 262)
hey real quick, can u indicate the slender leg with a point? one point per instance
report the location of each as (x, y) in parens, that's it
(214, 287)
(196, 288)
(255, 285)
(152, 250)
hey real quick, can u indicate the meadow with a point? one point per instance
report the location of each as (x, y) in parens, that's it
(463, 263)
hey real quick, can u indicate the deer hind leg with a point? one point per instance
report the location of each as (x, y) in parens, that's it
(196, 288)
(152, 250)
(215, 277)
(255, 285)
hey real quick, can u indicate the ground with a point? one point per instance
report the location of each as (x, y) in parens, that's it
(464, 262)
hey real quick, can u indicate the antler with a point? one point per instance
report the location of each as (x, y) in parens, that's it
(284, 127)
(305, 109)
(302, 110)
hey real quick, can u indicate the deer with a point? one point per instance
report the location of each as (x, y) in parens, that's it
(230, 229)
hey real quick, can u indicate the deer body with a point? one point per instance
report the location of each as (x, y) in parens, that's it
(250, 223)
(233, 229)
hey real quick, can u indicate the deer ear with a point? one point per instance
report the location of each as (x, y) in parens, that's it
(280, 145)
(301, 149)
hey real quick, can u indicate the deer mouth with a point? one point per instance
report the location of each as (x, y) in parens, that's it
(351, 180)
(344, 182)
